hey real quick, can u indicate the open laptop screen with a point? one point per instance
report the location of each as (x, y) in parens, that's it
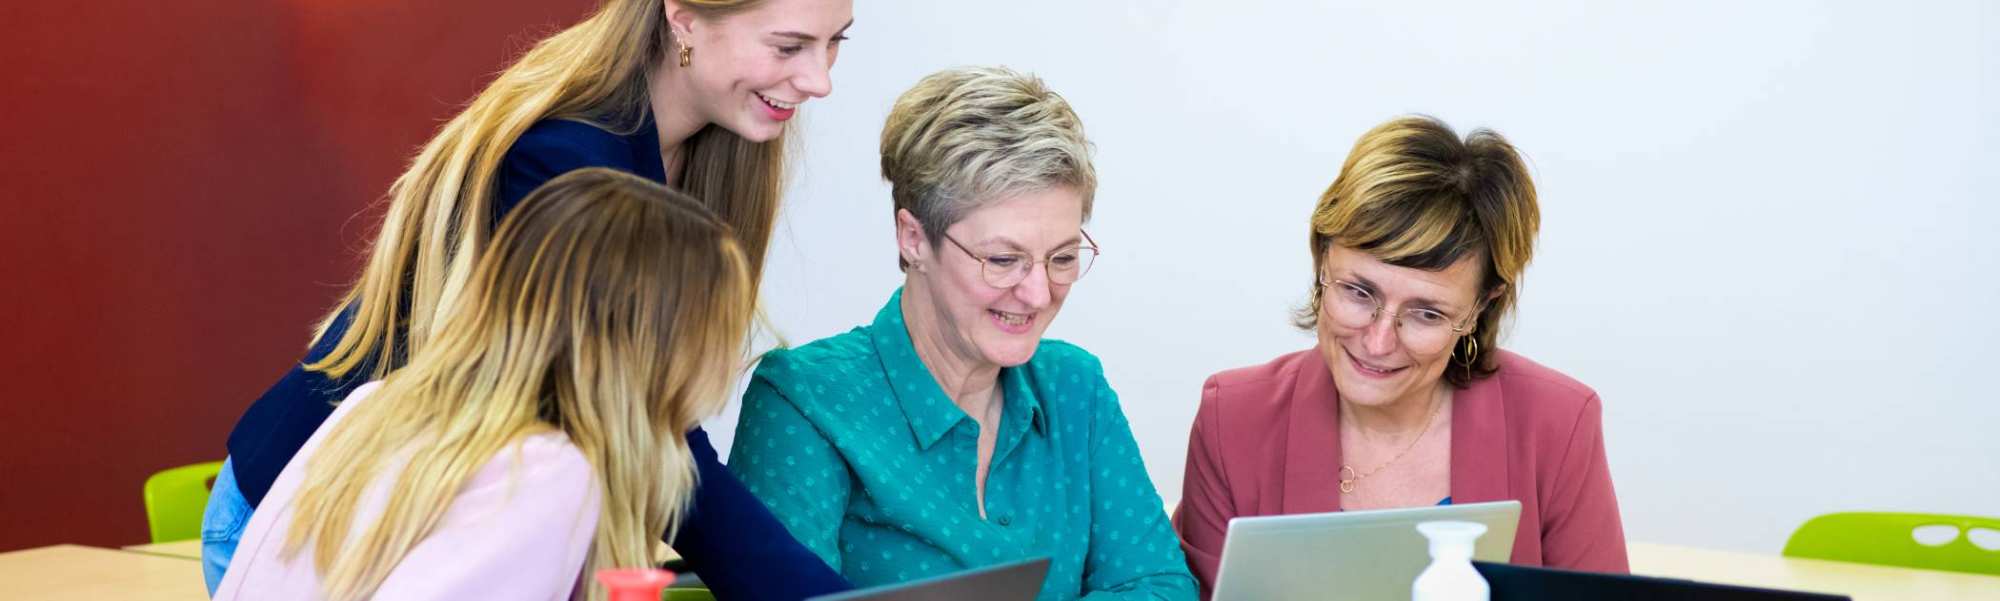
(1017, 581)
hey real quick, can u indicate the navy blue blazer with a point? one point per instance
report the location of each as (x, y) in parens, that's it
(728, 537)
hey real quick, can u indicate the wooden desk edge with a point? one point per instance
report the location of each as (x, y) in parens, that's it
(183, 549)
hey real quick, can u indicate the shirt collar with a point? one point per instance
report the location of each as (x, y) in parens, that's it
(932, 414)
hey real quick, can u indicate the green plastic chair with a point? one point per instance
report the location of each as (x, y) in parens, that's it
(1890, 539)
(175, 499)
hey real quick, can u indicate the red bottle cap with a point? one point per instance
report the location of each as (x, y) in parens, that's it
(634, 584)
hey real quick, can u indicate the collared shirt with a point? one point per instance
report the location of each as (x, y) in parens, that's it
(858, 451)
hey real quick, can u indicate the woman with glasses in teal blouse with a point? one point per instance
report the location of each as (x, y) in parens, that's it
(947, 434)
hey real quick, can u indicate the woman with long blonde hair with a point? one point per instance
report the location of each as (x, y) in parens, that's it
(693, 94)
(540, 433)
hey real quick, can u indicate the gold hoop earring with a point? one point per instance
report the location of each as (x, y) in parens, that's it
(1471, 356)
(687, 54)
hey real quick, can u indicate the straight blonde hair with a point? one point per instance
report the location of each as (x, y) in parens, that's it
(440, 210)
(608, 309)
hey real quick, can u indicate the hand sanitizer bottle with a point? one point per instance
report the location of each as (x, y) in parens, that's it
(1450, 576)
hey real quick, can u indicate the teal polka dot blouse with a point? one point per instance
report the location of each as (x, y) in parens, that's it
(862, 456)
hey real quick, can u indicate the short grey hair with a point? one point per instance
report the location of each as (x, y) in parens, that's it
(963, 137)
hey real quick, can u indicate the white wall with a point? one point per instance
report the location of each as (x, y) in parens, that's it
(1764, 237)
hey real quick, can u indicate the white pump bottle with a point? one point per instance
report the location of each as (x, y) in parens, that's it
(1450, 576)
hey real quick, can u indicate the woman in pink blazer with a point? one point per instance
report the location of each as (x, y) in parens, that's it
(1418, 248)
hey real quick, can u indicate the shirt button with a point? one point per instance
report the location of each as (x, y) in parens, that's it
(1006, 520)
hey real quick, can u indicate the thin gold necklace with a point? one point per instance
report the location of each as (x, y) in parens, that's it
(1348, 477)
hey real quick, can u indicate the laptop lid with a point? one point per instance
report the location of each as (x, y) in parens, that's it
(1523, 583)
(1372, 555)
(1017, 581)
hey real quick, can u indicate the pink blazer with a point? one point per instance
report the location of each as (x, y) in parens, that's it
(1266, 441)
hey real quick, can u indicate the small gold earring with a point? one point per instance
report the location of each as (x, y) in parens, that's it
(1471, 356)
(687, 54)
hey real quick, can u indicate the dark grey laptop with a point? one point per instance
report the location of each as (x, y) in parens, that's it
(1519, 583)
(1018, 581)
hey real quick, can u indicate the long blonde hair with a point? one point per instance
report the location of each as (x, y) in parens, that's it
(440, 211)
(609, 309)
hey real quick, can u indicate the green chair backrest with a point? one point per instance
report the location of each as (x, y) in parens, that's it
(175, 499)
(687, 594)
(1892, 539)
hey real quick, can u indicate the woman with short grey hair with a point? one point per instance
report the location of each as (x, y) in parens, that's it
(947, 434)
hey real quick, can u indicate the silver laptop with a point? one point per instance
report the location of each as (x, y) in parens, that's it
(1372, 555)
(1018, 581)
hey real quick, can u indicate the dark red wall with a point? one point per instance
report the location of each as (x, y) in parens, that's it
(183, 190)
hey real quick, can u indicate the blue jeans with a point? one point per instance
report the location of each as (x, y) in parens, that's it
(222, 525)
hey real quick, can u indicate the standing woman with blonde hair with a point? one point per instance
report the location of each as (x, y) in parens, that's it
(693, 94)
(539, 435)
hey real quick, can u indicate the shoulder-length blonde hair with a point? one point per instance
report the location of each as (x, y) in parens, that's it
(441, 209)
(608, 309)
(1414, 194)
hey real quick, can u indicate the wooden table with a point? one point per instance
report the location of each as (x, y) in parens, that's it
(79, 573)
(1861, 581)
(186, 549)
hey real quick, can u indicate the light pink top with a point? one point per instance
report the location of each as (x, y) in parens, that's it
(519, 529)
